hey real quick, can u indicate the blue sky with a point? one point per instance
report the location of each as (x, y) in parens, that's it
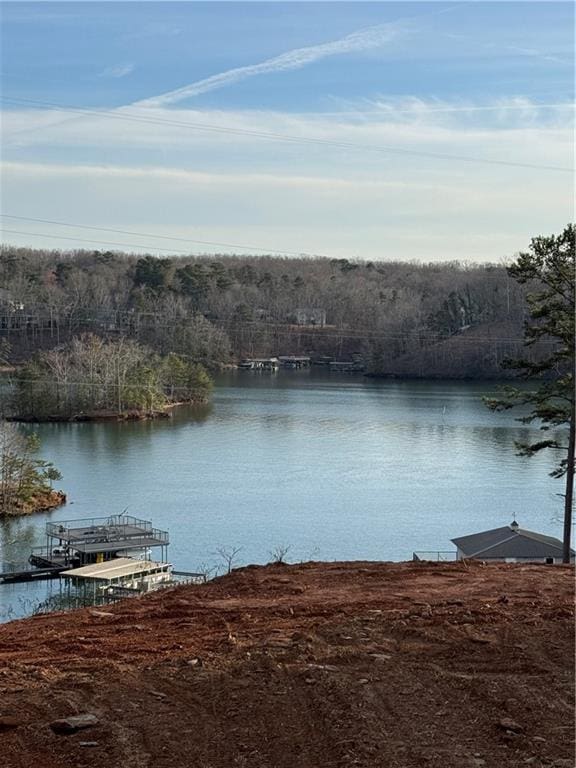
(492, 81)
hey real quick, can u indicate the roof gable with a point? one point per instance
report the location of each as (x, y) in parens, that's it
(507, 542)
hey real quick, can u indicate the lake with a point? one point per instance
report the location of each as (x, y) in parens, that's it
(332, 466)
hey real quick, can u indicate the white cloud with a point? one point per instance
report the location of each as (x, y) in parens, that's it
(342, 217)
(515, 131)
(507, 113)
(323, 185)
(170, 179)
(118, 70)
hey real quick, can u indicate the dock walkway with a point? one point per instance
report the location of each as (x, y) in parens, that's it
(29, 574)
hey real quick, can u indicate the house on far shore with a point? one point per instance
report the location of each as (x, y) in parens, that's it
(310, 316)
(510, 544)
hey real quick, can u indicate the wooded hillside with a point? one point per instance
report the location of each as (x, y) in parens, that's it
(219, 309)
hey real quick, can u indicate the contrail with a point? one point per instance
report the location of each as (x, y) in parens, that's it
(362, 40)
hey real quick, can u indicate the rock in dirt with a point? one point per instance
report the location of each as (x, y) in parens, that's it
(8, 723)
(73, 723)
(381, 657)
(508, 724)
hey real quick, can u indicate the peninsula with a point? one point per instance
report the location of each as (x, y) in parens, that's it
(94, 379)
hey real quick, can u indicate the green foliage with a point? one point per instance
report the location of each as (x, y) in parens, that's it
(194, 282)
(91, 375)
(153, 273)
(183, 381)
(22, 476)
(548, 268)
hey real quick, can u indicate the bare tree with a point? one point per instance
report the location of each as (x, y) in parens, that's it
(279, 553)
(228, 555)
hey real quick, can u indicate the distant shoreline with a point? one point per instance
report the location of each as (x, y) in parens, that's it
(105, 415)
(41, 502)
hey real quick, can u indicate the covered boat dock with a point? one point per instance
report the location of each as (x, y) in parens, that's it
(104, 582)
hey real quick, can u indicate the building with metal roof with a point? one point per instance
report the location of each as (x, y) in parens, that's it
(510, 544)
(99, 583)
(119, 569)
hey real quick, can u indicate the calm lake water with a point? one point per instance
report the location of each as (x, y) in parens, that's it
(335, 467)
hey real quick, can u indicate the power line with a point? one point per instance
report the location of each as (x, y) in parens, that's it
(101, 242)
(147, 247)
(297, 254)
(361, 335)
(272, 136)
(279, 329)
(145, 234)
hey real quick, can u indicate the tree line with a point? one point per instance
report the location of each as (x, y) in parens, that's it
(217, 309)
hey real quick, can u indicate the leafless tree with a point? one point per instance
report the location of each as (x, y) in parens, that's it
(228, 556)
(279, 553)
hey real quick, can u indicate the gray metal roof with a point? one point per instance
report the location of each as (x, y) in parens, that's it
(509, 542)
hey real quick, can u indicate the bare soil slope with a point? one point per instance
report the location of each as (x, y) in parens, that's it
(319, 665)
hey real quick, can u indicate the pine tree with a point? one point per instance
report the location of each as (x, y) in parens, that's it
(547, 269)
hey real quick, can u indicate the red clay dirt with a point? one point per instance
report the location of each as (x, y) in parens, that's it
(319, 665)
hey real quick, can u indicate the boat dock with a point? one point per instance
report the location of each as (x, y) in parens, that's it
(74, 543)
(260, 364)
(101, 560)
(107, 581)
(294, 361)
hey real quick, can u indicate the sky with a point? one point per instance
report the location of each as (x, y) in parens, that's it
(425, 131)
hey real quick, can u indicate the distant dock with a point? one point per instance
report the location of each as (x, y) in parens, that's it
(73, 544)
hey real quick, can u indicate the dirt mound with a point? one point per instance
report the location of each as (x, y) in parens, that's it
(316, 665)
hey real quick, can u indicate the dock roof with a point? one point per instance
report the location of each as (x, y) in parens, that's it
(119, 568)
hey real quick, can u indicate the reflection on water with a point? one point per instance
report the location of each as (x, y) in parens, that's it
(337, 467)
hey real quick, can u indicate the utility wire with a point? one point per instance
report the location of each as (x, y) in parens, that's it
(101, 242)
(331, 333)
(297, 254)
(147, 234)
(147, 247)
(272, 136)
